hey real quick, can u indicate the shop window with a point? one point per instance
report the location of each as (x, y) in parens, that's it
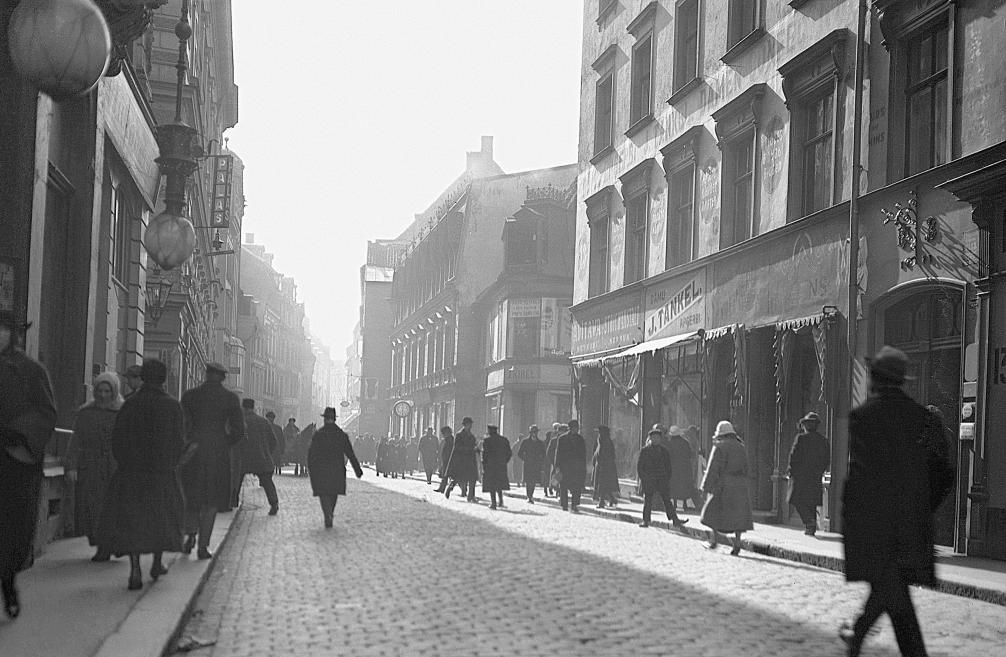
(737, 129)
(686, 43)
(641, 80)
(680, 169)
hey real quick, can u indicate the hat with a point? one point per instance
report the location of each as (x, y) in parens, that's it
(270, 414)
(655, 432)
(811, 417)
(533, 427)
(216, 367)
(329, 413)
(659, 428)
(724, 428)
(466, 420)
(675, 430)
(889, 363)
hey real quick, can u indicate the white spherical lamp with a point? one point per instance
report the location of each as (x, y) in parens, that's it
(169, 239)
(62, 46)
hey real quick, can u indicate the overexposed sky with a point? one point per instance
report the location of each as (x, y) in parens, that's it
(354, 116)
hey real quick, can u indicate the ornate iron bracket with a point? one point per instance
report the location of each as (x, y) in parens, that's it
(912, 232)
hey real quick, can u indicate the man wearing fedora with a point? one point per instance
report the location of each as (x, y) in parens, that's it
(888, 503)
(326, 464)
(808, 460)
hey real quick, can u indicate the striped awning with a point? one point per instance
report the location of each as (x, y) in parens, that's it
(657, 344)
(594, 359)
(713, 334)
(799, 323)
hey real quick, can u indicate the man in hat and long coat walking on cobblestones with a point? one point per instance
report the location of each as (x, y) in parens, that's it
(256, 451)
(326, 463)
(808, 460)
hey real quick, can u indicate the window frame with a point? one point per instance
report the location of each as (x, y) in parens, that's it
(636, 184)
(682, 79)
(599, 224)
(737, 124)
(741, 37)
(604, 66)
(643, 29)
(681, 155)
(929, 82)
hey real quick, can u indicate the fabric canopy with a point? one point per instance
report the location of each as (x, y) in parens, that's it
(656, 345)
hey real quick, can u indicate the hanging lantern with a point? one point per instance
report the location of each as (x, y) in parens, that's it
(169, 240)
(61, 46)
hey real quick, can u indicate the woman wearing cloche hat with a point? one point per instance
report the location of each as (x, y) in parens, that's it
(728, 508)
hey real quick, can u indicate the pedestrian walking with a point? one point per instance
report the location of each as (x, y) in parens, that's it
(291, 441)
(551, 441)
(383, 458)
(899, 474)
(496, 455)
(428, 451)
(532, 452)
(326, 459)
(653, 466)
(279, 441)
(213, 423)
(808, 460)
(682, 485)
(728, 507)
(412, 454)
(89, 463)
(462, 468)
(605, 472)
(133, 380)
(303, 443)
(144, 507)
(571, 464)
(446, 447)
(255, 452)
(27, 420)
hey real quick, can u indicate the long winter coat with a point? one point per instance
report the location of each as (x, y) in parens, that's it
(90, 455)
(571, 460)
(895, 483)
(27, 420)
(428, 451)
(728, 508)
(605, 468)
(143, 509)
(255, 448)
(550, 446)
(462, 465)
(496, 454)
(214, 421)
(808, 460)
(446, 447)
(682, 486)
(532, 452)
(326, 460)
(280, 442)
(653, 466)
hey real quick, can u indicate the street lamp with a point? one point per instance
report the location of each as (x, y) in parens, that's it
(158, 290)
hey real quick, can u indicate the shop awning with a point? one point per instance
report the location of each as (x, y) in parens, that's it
(719, 332)
(657, 344)
(594, 359)
(799, 323)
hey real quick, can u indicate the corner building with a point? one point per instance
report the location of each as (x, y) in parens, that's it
(712, 259)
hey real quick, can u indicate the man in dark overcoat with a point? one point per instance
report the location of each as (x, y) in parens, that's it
(326, 463)
(256, 452)
(213, 423)
(446, 447)
(551, 440)
(462, 468)
(496, 454)
(571, 461)
(291, 438)
(893, 486)
(654, 469)
(808, 459)
(532, 452)
(682, 485)
(280, 442)
(428, 449)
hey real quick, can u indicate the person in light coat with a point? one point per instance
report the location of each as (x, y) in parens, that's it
(728, 507)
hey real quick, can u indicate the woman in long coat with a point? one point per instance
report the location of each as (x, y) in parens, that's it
(496, 454)
(27, 420)
(728, 507)
(89, 461)
(143, 511)
(605, 481)
(463, 468)
(682, 468)
(326, 463)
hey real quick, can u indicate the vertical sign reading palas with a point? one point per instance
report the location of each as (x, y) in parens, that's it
(220, 215)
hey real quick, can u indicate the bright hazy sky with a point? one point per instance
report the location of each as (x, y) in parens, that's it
(354, 116)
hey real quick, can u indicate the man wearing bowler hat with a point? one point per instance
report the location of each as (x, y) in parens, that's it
(808, 460)
(326, 463)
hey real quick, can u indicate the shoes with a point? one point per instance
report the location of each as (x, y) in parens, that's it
(328, 523)
(274, 509)
(734, 552)
(810, 531)
(710, 546)
(101, 555)
(576, 509)
(565, 508)
(600, 505)
(493, 507)
(530, 500)
(847, 633)
(135, 582)
(679, 523)
(157, 570)
(190, 542)
(447, 493)
(203, 553)
(501, 504)
(644, 524)
(11, 601)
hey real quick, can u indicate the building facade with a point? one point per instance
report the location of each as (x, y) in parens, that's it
(712, 261)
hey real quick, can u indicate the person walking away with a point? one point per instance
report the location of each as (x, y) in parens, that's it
(428, 450)
(326, 462)
(808, 460)
(291, 436)
(552, 440)
(412, 453)
(381, 466)
(279, 441)
(133, 380)
(213, 423)
(653, 466)
(898, 475)
(571, 462)
(255, 452)
(682, 485)
(446, 447)
(496, 455)
(605, 471)
(532, 452)
(462, 468)
(89, 462)
(728, 507)
(144, 507)
(27, 421)
(303, 443)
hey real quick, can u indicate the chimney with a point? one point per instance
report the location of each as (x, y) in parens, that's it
(249, 238)
(487, 146)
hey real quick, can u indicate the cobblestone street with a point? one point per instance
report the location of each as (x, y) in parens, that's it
(406, 572)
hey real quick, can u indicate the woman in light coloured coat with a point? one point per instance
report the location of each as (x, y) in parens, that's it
(728, 507)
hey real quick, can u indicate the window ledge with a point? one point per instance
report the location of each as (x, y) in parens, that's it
(686, 88)
(639, 125)
(736, 50)
(601, 154)
(603, 12)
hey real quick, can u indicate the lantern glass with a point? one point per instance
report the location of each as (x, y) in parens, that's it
(169, 240)
(62, 46)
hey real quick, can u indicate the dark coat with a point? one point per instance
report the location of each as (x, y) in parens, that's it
(90, 455)
(728, 507)
(254, 449)
(411, 454)
(326, 460)
(295, 443)
(682, 486)
(446, 447)
(532, 452)
(27, 421)
(808, 460)
(605, 468)
(143, 510)
(279, 440)
(428, 451)
(571, 460)
(213, 422)
(887, 515)
(462, 465)
(654, 468)
(496, 454)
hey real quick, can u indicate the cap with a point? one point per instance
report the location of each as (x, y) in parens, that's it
(890, 363)
(724, 428)
(216, 367)
(811, 417)
(675, 430)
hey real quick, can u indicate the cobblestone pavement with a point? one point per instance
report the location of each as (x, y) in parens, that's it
(406, 572)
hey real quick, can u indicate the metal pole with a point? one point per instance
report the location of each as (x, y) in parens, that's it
(183, 31)
(857, 170)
